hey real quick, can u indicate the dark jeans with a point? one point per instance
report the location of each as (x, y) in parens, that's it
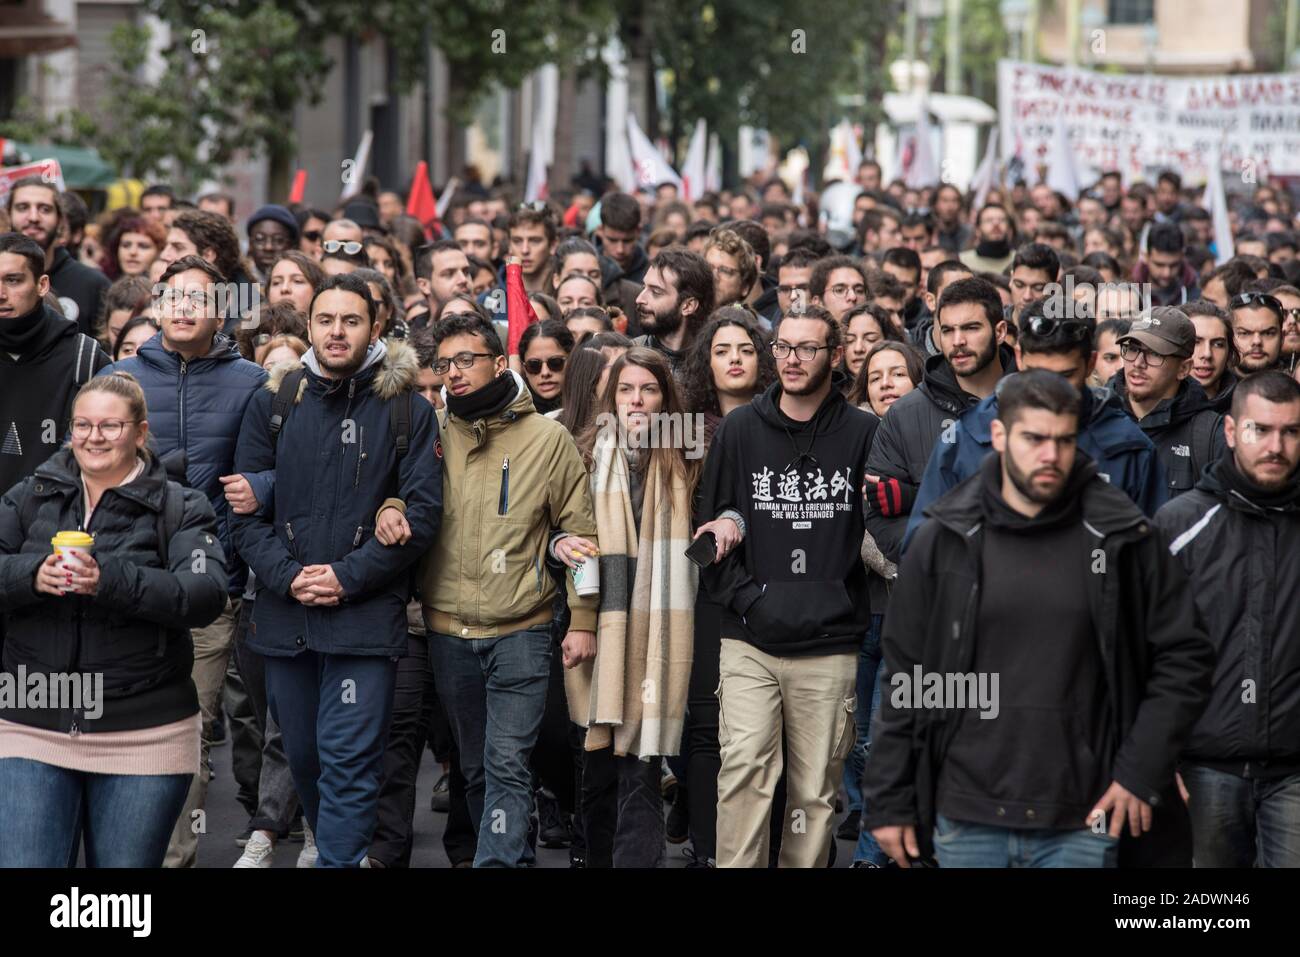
(494, 690)
(1243, 822)
(127, 819)
(868, 690)
(623, 810)
(244, 725)
(700, 745)
(333, 711)
(553, 755)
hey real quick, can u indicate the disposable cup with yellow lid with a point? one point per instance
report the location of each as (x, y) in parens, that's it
(75, 545)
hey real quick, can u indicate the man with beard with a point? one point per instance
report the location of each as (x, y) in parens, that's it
(1256, 329)
(993, 235)
(1238, 536)
(35, 211)
(1169, 406)
(1072, 737)
(331, 607)
(950, 231)
(973, 358)
(1165, 266)
(676, 300)
(794, 596)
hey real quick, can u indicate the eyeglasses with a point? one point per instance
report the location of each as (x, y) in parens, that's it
(269, 240)
(1073, 331)
(1246, 300)
(463, 360)
(1130, 353)
(311, 235)
(842, 290)
(786, 290)
(534, 366)
(351, 247)
(111, 429)
(806, 353)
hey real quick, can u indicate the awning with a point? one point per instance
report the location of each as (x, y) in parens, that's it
(82, 168)
(26, 29)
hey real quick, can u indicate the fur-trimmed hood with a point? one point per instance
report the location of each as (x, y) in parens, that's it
(395, 364)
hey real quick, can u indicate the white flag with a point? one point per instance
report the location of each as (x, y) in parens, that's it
(987, 174)
(924, 169)
(356, 173)
(537, 183)
(650, 166)
(845, 155)
(713, 170)
(695, 169)
(1062, 169)
(1219, 208)
(444, 201)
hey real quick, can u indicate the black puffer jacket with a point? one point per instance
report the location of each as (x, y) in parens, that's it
(1242, 551)
(1186, 430)
(134, 630)
(906, 438)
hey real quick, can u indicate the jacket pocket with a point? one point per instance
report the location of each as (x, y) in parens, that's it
(1181, 476)
(790, 612)
(848, 730)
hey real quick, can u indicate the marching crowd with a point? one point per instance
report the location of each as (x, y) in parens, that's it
(968, 539)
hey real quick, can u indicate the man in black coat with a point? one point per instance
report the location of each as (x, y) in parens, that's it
(1238, 536)
(1045, 664)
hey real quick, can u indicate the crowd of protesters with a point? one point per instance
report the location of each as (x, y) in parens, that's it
(960, 539)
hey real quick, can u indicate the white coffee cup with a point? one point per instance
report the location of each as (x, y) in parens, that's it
(586, 577)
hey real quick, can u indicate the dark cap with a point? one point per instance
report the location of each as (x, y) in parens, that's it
(1165, 330)
(277, 214)
(365, 215)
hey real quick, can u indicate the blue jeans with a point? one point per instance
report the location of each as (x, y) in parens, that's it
(127, 819)
(333, 712)
(1243, 822)
(963, 844)
(494, 690)
(868, 689)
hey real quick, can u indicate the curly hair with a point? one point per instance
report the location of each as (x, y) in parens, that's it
(210, 231)
(132, 222)
(699, 391)
(730, 242)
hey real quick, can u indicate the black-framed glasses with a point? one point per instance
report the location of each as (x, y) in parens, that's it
(1073, 331)
(463, 360)
(110, 429)
(554, 363)
(351, 247)
(1129, 352)
(786, 290)
(311, 235)
(1248, 300)
(842, 289)
(805, 352)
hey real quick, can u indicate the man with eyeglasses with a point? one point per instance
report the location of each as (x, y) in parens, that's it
(512, 477)
(1125, 457)
(1257, 320)
(973, 357)
(197, 387)
(272, 230)
(793, 277)
(794, 596)
(734, 268)
(1169, 406)
(1289, 296)
(340, 257)
(837, 284)
(1237, 534)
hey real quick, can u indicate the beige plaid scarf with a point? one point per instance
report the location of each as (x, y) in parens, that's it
(634, 694)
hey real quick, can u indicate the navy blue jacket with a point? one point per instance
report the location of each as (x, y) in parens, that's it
(1125, 457)
(335, 464)
(196, 407)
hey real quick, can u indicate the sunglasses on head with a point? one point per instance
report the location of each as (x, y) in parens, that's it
(1246, 300)
(1044, 327)
(351, 247)
(554, 363)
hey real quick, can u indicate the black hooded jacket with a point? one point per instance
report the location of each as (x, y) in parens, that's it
(797, 585)
(79, 289)
(1155, 659)
(1241, 547)
(1187, 431)
(907, 435)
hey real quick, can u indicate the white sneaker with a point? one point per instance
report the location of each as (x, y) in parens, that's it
(257, 852)
(308, 855)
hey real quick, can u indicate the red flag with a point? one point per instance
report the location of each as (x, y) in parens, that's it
(299, 186)
(420, 201)
(519, 311)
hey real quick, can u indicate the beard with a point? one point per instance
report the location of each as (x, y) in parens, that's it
(1023, 485)
(982, 360)
(341, 366)
(814, 382)
(46, 239)
(1267, 483)
(1249, 365)
(659, 323)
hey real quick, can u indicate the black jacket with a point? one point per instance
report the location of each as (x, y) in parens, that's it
(1156, 658)
(767, 304)
(1242, 552)
(907, 435)
(797, 585)
(134, 629)
(1186, 430)
(37, 388)
(79, 289)
(1222, 401)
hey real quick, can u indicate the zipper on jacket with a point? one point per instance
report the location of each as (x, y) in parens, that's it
(361, 454)
(504, 503)
(180, 395)
(288, 531)
(356, 539)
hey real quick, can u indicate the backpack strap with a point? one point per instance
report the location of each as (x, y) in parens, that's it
(1203, 439)
(399, 423)
(285, 396)
(83, 370)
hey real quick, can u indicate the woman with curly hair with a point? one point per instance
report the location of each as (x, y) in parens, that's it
(728, 364)
(131, 245)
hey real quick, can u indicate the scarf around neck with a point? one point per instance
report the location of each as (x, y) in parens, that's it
(484, 402)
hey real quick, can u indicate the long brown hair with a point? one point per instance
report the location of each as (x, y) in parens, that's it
(672, 460)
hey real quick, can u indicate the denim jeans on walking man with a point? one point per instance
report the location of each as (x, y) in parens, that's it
(1243, 822)
(868, 689)
(964, 844)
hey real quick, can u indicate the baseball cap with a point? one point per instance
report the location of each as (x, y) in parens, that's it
(1165, 330)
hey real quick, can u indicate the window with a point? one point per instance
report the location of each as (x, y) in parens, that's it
(1131, 11)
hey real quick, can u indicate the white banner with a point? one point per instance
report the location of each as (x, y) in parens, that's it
(1139, 124)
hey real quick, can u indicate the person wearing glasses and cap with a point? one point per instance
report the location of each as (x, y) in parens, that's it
(272, 230)
(1170, 406)
(1125, 457)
